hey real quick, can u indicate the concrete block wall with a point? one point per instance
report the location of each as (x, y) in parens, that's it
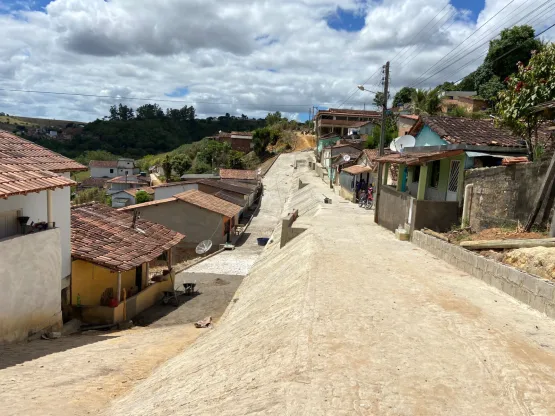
(503, 195)
(533, 291)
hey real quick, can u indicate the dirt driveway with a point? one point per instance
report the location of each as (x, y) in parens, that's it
(81, 374)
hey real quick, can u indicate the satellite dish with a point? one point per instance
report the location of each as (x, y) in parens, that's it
(203, 246)
(346, 158)
(392, 145)
(404, 142)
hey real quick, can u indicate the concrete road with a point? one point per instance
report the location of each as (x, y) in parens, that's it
(346, 320)
(277, 184)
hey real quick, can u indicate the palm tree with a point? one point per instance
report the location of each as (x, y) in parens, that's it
(426, 101)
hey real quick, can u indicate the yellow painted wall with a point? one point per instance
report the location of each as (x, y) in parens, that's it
(89, 281)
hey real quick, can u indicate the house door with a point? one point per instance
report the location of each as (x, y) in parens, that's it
(8, 224)
(453, 185)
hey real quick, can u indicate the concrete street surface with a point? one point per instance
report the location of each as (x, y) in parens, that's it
(345, 320)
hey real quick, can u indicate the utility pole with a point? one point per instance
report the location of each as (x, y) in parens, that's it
(382, 141)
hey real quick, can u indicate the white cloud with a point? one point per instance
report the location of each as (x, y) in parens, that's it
(236, 56)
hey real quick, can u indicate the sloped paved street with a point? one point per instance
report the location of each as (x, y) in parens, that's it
(346, 320)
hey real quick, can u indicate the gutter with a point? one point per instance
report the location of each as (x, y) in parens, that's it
(489, 149)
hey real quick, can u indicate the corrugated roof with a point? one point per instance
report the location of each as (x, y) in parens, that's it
(103, 164)
(105, 236)
(226, 186)
(130, 179)
(149, 204)
(169, 184)
(238, 174)
(209, 202)
(27, 167)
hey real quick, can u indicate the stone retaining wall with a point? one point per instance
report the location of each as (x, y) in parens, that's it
(535, 292)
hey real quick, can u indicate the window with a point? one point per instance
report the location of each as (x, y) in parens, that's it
(434, 183)
(416, 174)
(127, 172)
(111, 170)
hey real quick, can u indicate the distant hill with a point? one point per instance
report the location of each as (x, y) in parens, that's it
(148, 130)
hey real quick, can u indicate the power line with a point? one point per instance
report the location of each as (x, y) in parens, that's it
(468, 37)
(460, 54)
(473, 50)
(516, 47)
(147, 99)
(542, 19)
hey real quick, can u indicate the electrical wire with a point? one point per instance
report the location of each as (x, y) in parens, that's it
(460, 54)
(468, 37)
(542, 19)
(473, 50)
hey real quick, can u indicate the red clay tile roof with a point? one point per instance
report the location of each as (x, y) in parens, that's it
(237, 174)
(224, 185)
(104, 236)
(209, 202)
(459, 130)
(229, 197)
(27, 167)
(94, 182)
(103, 164)
(417, 158)
(341, 111)
(356, 169)
(345, 123)
(410, 116)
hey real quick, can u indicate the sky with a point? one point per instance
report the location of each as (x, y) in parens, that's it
(239, 56)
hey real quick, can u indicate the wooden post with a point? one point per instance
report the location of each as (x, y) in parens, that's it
(170, 259)
(119, 287)
(422, 183)
(544, 191)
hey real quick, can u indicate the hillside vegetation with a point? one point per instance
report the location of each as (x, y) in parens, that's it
(147, 130)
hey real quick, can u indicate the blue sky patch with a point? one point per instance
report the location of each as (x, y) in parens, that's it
(178, 92)
(346, 20)
(474, 6)
(8, 6)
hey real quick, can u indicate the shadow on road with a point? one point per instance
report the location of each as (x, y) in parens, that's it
(14, 354)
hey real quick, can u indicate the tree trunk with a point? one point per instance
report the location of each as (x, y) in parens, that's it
(544, 191)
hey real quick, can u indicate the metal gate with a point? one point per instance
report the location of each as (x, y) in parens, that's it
(453, 185)
(8, 224)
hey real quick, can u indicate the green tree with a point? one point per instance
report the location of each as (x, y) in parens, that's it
(391, 133)
(520, 41)
(89, 155)
(379, 100)
(181, 164)
(403, 96)
(426, 101)
(274, 118)
(468, 82)
(167, 167)
(142, 196)
(531, 85)
(447, 86)
(490, 90)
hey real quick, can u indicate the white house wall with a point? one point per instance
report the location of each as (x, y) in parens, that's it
(33, 205)
(31, 284)
(103, 172)
(168, 191)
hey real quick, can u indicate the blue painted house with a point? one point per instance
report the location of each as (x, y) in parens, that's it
(431, 174)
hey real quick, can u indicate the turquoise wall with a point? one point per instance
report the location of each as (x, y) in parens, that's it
(327, 142)
(427, 137)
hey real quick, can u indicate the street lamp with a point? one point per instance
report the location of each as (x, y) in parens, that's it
(361, 87)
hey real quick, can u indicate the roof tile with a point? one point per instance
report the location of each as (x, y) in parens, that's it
(105, 236)
(210, 202)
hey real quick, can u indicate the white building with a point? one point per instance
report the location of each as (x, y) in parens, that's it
(167, 190)
(113, 168)
(35, 236)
